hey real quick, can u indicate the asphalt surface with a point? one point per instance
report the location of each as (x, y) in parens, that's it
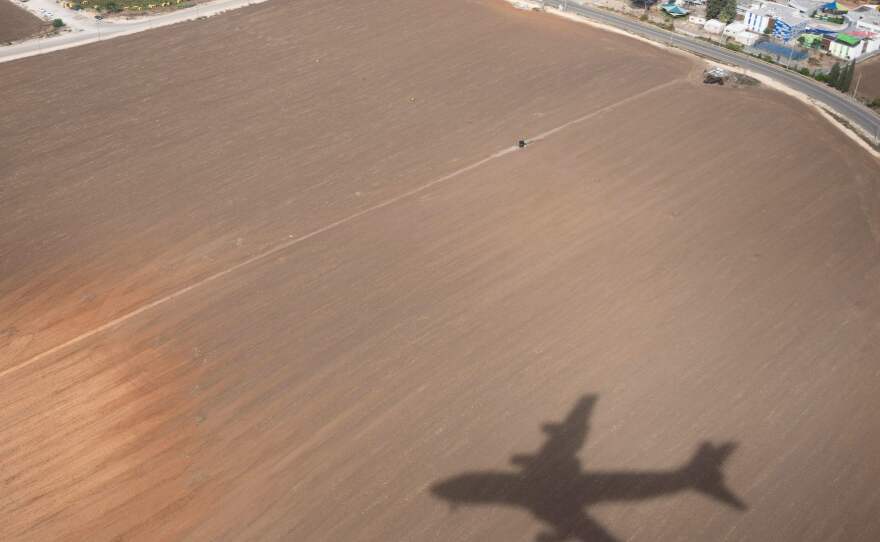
(840, 103)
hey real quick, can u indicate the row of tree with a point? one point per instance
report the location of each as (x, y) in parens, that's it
(841, 78)
(723, 10)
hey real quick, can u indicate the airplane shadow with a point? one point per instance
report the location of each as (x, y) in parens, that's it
(552, 485)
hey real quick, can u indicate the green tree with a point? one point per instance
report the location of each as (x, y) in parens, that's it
(834, 75)
(713, 8)
(841, 79)
(846, 77)
(728, 11)
(57, 23)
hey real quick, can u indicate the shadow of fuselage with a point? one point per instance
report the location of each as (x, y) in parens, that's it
(553, 487)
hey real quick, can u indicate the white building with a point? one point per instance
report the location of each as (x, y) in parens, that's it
(851, 47)
(783, 22)
(714, 26)
(757, 19)
(733, 29)
(866, 18)
(846, 47)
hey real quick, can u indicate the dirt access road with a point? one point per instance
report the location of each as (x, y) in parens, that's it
(413, 299)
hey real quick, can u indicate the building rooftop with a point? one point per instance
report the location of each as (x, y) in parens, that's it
(847, 39)
(674, 10)
(778, 11)
(862, 34)
(806, 7)
(865, 13)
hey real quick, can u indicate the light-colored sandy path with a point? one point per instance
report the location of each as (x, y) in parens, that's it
(318, 394)
(295, 136)
(296, 240)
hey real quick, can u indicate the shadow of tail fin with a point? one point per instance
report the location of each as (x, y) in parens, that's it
(704, 471)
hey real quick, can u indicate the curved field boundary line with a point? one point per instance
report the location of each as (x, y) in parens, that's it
(294, 241)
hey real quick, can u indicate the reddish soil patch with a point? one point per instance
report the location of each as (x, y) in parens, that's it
(673, 251)
(16, 23)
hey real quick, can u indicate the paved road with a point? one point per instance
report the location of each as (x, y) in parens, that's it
(85, 29)
(840, 103)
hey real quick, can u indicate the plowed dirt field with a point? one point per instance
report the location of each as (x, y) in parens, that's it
(16, 23)
(281, 275)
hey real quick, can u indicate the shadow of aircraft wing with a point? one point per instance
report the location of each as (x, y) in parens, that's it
(579, 527)
(565, 439)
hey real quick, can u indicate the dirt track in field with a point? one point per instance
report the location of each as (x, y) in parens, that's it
(16, 23)
(673, 252)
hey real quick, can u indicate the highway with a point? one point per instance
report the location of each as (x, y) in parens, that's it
(840, 103)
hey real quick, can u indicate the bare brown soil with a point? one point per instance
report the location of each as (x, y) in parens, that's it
(869, 86)
(671, 251)
(16, 23)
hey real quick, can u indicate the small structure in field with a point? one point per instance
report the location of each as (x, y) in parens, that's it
(717, 75)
